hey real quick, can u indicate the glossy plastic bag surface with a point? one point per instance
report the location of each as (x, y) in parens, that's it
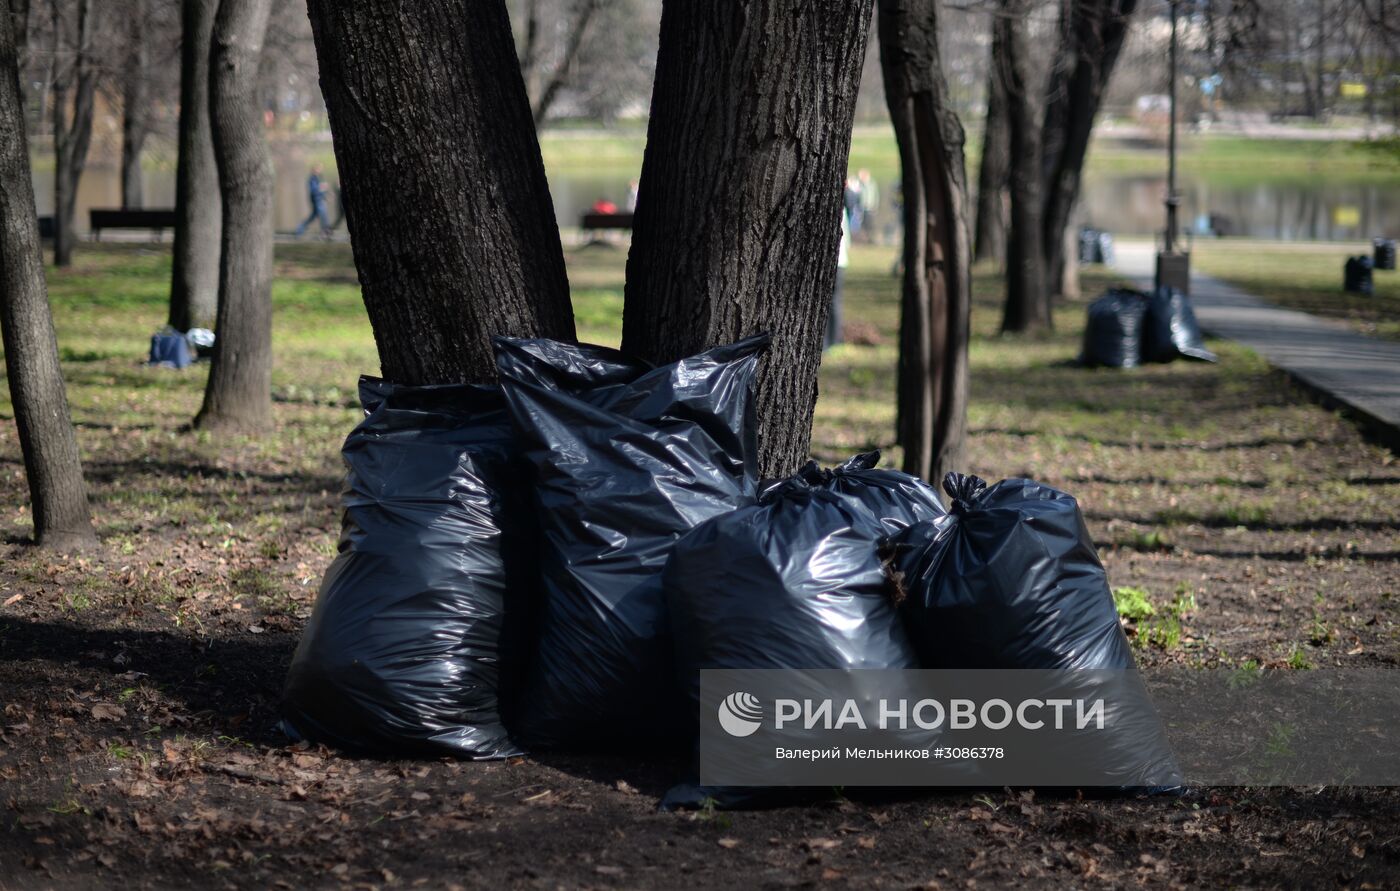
(1010, 579)
(627, 458)
(401, 655)
(794, 581)
(1113, 330)
(1170, 329)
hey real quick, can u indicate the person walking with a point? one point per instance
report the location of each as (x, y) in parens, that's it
(869, 203)
(316, 189)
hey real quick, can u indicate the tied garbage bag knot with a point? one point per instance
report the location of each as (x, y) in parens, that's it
(963, 489)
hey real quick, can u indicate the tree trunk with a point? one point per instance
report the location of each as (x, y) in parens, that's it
(444, 188)
(71, 138)
(194, 279)
(1092, 37)
(738, 224)
(238, 395)
(19, 11)
(1027, 297)
(578, 30)
(990, 240)
(935, 303)
(46, 438)
(134, 111)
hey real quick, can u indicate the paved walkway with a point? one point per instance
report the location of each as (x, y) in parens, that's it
(1349, 369)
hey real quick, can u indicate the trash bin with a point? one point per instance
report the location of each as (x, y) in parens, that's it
(1384, 254)
(1356, 275)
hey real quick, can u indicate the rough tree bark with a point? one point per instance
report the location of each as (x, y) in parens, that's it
(935, 302)
(194, 279)
(444, 188)
(71, 137)
(1092, 36)
(46, 437)
(989, 242)
(238, 395)
(738, 225)
(135, 114)
(1027, 297)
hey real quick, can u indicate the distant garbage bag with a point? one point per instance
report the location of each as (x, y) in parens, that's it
(1357, 277)
(794, 581)
(1383, 253)
(1113, 331)
(1010, 579)
(1170, 329)
(202, 339)
(627, 458)
(169, 349)
(402, 653)
(1095, 246)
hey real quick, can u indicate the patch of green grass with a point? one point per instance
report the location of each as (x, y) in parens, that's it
(1298, 659)
(1133, 603)
(1306, 277)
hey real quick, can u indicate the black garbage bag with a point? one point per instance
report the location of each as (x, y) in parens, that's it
(402, 653)
(626, 458)
(896, 499)
(1170, 329)
(1113, 330)
(1357, 277)
(1010, 579)
(794, 581)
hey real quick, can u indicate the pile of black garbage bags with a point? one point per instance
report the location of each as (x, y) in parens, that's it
(1127, 328)
(549, 563)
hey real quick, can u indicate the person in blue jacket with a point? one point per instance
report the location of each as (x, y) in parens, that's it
(317, 190)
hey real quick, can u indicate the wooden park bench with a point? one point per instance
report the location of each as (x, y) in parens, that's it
(156, 219)
(593, 222)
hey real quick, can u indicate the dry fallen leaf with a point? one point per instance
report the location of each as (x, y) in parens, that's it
(105, 711)
(13, 599)
(728, 843)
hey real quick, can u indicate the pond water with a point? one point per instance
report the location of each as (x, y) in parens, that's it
(1287, 210)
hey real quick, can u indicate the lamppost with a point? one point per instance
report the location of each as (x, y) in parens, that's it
(1173, 267)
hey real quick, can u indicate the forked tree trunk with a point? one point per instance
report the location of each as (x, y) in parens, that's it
(46, 438)
(738, 224)
(935, 301)
(135, 115)
(1092, 37)
(990, 240)
(194, 279)
(71, 136)
(1027, 297)
(444, 188)
(238, 395)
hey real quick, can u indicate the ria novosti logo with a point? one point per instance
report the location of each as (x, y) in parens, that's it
(740, 714)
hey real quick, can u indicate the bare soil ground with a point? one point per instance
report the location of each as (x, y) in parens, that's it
(139, 685)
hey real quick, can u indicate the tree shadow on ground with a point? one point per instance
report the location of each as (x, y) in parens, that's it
(229, 683)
